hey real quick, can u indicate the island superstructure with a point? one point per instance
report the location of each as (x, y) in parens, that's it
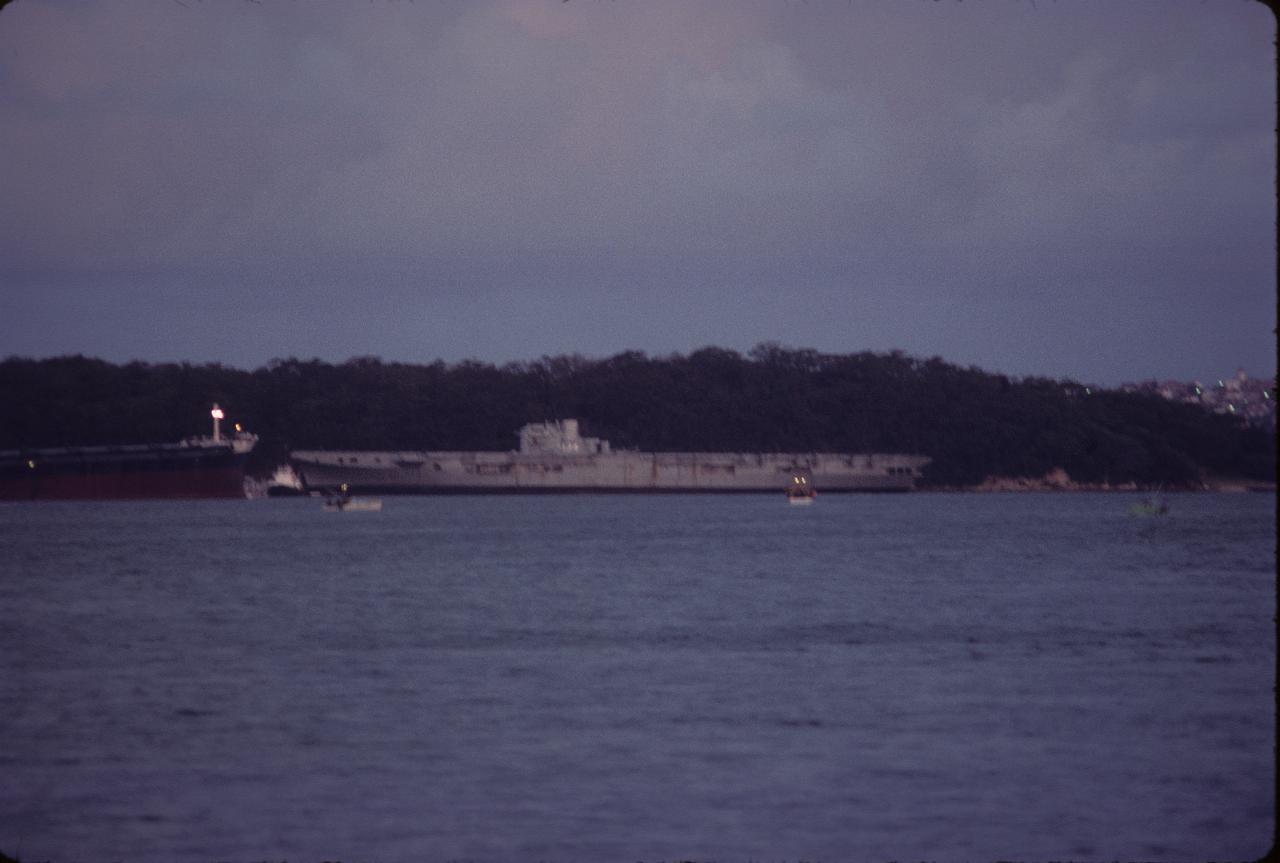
(555, 457)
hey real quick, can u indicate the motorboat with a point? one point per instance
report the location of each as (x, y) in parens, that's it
(1150, 506)
(342, 501)
(801, 491)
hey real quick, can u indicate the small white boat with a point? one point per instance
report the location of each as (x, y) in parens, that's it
(344, 502)
(1148, 507)
(801, 491)
(353, 504)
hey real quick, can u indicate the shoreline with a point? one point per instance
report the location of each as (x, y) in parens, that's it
(1059, 481)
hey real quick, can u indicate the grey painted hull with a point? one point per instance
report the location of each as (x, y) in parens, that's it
(615, 472)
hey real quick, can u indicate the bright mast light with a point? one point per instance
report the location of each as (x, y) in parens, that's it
(217, 415)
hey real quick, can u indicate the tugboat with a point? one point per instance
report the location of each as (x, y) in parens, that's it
(285, 483)
(801, 491)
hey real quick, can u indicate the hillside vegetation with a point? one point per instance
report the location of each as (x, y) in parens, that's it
(973, 424)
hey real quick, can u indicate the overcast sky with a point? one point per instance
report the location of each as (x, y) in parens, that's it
(1069, 189)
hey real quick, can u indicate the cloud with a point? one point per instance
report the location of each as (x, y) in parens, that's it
(866, 159)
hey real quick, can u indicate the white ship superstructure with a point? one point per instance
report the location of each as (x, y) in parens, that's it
(555, 457)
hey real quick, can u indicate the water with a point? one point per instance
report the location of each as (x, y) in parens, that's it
(931, 677)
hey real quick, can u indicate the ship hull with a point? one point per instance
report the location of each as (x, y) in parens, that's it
(122, 473)
(613, 473)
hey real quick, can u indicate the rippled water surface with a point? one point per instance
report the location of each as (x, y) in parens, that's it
(942, 677)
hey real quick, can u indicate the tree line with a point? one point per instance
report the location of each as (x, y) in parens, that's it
(972, 423)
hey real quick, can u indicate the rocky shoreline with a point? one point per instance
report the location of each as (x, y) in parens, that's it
(1059, 480)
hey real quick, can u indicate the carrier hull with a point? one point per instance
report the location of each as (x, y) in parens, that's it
(555, 459)
(369, 472)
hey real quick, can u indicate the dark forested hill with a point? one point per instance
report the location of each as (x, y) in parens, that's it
(972, 423)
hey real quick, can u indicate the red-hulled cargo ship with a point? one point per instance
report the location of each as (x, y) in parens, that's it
(201, 467)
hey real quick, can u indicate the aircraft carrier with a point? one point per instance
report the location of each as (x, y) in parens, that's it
(555, 457)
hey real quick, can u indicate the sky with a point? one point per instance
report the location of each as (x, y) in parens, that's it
(1080, 190)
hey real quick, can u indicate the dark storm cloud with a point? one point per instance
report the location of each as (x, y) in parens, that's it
(1076, 189)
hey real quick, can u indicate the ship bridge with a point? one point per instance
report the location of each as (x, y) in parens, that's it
(560, 437)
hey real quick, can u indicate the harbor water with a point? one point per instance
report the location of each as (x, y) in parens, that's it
(940, 677)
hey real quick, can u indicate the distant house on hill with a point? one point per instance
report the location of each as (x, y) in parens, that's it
(1253, 399)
